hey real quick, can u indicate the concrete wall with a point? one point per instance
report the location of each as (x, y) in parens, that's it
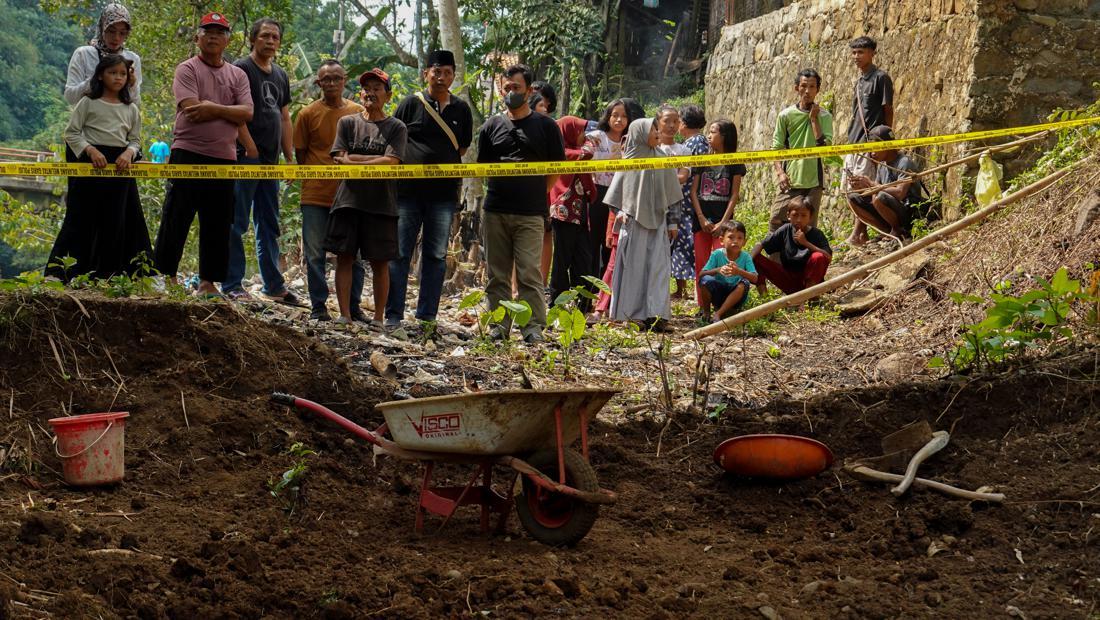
(957, 65)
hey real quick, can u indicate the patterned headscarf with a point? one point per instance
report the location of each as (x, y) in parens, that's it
(112, 14)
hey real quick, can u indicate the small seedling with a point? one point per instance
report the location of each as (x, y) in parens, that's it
(471, 302)
(287, 488)
(717, 411)
(567, 317)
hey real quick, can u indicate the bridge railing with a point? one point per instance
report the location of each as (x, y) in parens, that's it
(22, 155)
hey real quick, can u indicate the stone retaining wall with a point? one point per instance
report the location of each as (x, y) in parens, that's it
(957, 65)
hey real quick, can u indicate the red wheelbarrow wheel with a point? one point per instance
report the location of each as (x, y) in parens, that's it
(556, 519)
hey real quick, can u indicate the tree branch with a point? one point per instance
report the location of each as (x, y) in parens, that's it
(403, 56)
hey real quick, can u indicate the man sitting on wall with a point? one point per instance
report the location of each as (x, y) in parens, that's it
(890, 209)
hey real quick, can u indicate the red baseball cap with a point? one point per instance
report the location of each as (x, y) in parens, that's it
(215, 19)
(377, 74)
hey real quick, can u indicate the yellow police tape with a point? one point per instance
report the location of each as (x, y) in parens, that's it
(410, 171)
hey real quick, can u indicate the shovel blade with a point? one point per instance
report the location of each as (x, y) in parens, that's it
(909, 438)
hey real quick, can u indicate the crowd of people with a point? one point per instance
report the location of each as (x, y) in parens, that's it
(543, 234)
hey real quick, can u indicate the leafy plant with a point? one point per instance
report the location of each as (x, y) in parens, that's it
(287, 488)
(1013, 325)
(32, 281)
(472, 302)
(717, 411)
(566, 315)
(519, 312)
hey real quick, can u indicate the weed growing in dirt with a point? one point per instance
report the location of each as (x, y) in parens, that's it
(287, 488)
(566, 315)
(519, 312)
(546, 363)
(472, 302)
(1013, 325)
(429, 330)
(606, 337)
(31, 282)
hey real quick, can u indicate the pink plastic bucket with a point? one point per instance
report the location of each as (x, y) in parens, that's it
(91, 447)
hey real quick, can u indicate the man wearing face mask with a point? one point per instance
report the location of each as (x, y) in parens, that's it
(515, 207)
(440, 128)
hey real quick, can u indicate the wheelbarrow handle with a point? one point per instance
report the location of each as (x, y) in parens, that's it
(332, 416)
(283, 398)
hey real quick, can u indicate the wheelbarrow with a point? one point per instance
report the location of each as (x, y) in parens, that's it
(529, 431)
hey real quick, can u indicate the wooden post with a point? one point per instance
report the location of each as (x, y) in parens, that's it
(787, 301)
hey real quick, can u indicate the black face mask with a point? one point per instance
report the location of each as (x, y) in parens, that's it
(515, 100)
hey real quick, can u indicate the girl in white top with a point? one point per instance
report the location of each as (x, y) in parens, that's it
(104, 233)
(111, 34)
(605, 142)
(668, 125)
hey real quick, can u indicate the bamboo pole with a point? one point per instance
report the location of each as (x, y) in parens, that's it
(859, 272)
(951, 164)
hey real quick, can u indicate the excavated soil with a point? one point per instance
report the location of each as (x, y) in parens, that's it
(193, 531)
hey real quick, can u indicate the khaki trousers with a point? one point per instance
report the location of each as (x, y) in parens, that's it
(515, 240)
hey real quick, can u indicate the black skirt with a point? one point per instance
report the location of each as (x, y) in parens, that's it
(104, 227)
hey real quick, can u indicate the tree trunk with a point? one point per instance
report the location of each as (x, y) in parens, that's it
(450, 38)
(566, 83)
(418, 36)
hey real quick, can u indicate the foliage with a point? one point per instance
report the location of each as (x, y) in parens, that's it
(567, 317)
(32, 282)
(1014, 325)
(1073, 144)
(34, 54)
(472, 302)
(553, 37)
(604, 336)
(287, 488)
(519, 312)
(29, 231)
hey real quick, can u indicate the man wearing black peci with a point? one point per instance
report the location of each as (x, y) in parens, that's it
(440, 128)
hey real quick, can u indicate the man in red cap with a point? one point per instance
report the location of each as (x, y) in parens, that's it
(212, 99)
(363, 218)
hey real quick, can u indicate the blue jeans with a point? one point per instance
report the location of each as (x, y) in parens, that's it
(261, 198)
(314, 225)
(435, 217)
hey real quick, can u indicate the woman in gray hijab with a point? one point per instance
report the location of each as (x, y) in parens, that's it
(649, 214)
(111, 34)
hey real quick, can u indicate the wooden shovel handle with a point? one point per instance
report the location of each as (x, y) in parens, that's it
(862, 472)
(939, 440)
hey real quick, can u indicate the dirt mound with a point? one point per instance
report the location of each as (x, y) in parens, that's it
(194, 531)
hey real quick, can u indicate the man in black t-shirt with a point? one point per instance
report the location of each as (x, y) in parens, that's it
(259, 142)
(440, 128)
(872, 105)
(515, 207)
(888, 210)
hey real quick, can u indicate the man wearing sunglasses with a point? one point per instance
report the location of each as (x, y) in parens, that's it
(314, 134)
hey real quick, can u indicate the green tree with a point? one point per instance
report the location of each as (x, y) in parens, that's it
(34, 53)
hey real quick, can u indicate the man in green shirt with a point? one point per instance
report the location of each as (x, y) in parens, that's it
(801, 125)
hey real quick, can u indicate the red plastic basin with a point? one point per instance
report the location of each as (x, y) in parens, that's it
(784, 457)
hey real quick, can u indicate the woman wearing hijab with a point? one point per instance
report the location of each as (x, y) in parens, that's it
(111, 34)
(649, 214)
